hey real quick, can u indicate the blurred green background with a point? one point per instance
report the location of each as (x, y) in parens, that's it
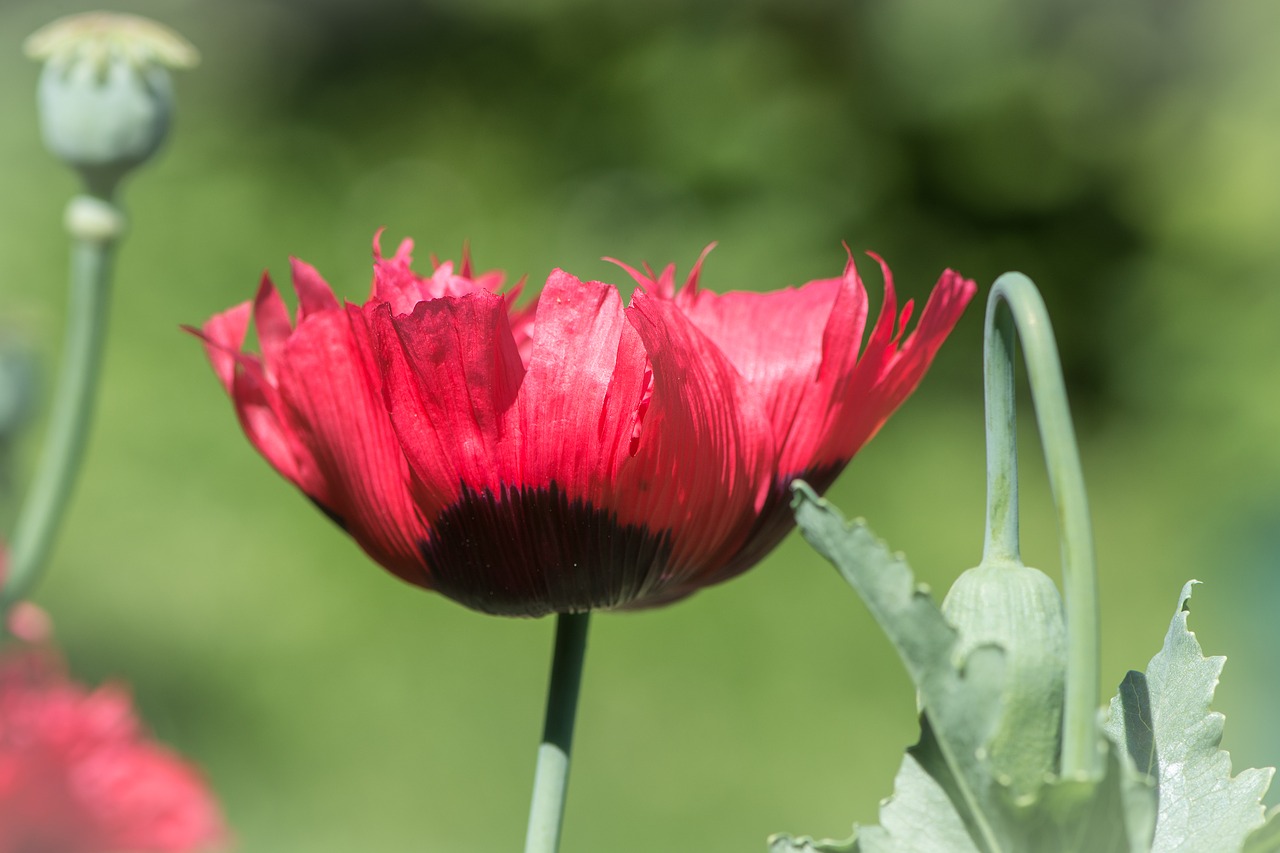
(1124, 154)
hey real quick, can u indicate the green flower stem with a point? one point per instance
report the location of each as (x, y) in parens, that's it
(1002, 438)
(1025, 311)
(551, 779)
(96, 226)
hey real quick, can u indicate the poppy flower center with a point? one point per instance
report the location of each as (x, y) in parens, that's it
(530, 551)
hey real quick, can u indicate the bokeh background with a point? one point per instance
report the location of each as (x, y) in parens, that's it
(1124, 154)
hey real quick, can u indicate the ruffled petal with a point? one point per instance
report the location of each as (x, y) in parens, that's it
(259, 408)
(223, 338)
(841, 338)
(271, 320)
(395, 282)
(262, 416)
(450, 374)
(832, 411)
(775, 340)
(704, 453)
(529, 527)
(580, 396)
(521, 320)
(314, 293)
(329, 385)
(891, 367)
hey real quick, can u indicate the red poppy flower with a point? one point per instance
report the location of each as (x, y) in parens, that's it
(77, 775)
(577, 453)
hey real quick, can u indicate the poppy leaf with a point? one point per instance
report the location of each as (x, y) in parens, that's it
(1202, 807)
(960, 699)
(947, 796)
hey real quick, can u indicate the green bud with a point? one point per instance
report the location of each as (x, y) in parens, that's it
(1019, 609)
(105, 94)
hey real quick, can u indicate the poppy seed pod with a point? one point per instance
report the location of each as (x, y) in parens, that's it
(1019, 609)
(105, 95)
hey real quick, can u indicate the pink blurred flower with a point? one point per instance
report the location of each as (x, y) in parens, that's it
(29, 622)
(79, 775)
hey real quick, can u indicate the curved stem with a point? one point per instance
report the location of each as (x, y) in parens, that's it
(551, 778)
(96, 225)
(1025, 310)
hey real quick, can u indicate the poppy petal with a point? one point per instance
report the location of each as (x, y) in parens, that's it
(779, 360)
(334, 401)
(271, 320)
(395, 282)
(862, 399)
(705, 448)
(314, 293)
(583, 387)
(223, 338)
(450, 373)
(260, 411)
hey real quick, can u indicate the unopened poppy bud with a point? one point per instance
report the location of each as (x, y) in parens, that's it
(105, 95)
(1019, 609)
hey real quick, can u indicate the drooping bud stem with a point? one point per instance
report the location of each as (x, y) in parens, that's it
(1016, 607)
(1015, 309)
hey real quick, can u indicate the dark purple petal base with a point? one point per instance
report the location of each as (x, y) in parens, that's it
(532, 551)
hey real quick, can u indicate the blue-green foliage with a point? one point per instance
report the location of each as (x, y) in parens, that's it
(1159, 744)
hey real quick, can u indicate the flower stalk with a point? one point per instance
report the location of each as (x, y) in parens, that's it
(96, 226)
(105, 101)
(1015, 309)
(551, 778)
